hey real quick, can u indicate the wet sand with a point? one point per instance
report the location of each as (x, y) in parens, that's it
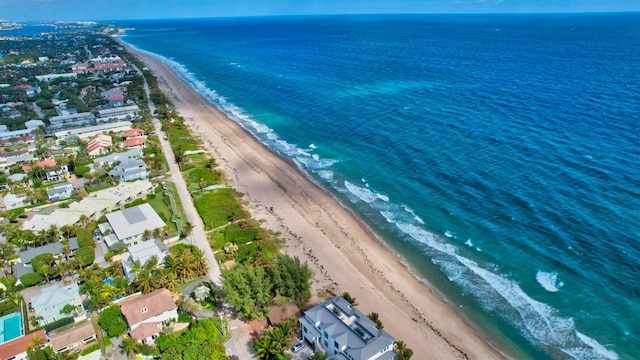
(343, 252)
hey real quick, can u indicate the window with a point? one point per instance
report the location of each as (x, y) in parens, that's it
(304, 329)
(326, 335)
(336, 345)
(326, 345)
(143, 310)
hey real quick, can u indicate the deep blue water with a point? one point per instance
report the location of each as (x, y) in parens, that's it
(499, 154)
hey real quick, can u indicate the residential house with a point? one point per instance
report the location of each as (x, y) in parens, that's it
(133, 133)
(119, 113)
(60, 191)
(99, 144)
(73, 339)
(48, 301)
(56, 249)
(130, 224)
(130, 170)
(142, 253)
(17, 348)
(338, 329)
(13, 201)
(34, 124)
(54, 175)
(147, 314)
(111, 159)
(93, 206)
(137, 142)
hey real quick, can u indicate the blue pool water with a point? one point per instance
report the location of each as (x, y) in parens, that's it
(11, 327)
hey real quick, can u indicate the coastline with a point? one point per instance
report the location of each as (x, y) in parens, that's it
(343, 252)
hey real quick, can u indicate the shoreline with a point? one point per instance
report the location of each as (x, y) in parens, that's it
(344, 253)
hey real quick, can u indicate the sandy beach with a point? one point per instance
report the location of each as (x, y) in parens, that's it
(343, 253)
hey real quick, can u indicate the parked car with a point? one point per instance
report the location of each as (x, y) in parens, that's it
(297, 347)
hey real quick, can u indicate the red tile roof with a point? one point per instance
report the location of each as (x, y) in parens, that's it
(136, 141)
(133, 132)
(138, 308)
(20, 345)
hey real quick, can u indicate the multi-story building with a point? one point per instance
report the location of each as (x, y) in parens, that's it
(343, 332)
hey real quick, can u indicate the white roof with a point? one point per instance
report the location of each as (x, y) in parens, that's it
(134, 221)
(92, 130)
(145, 250)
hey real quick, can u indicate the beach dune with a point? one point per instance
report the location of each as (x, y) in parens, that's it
(343, 252)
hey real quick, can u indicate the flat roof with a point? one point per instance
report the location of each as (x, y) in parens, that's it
(134, 221)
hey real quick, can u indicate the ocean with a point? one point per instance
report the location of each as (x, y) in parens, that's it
(499, 155)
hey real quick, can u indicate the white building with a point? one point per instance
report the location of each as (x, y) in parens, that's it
(89, 131)
(342, 331)
(130, 224)
(93, 206)
(12, 201)
(120, 113)
(60, 191)
(84, 118)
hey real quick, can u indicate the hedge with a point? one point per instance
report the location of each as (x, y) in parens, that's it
(90, 349)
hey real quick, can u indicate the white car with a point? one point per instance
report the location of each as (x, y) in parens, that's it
(295, 348)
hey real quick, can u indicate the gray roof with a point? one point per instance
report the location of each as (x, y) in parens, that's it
(121, 156)
(55, 249)
(348, 326)
(21, 269)
(56, 294)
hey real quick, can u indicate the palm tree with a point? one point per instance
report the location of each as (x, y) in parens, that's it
(129, 346)
(403, 352)
(350, 299)
(170, 280)
(146, 235)
(146, 282)
(376, 319)
(157, 233)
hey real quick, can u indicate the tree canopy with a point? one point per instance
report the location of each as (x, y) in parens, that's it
(112, 321)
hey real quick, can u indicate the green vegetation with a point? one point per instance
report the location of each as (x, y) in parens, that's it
(218, 207)
(275, 341)
(182, 264)
(90, 349)
(112, 321)
(31, 279)
(200, 341)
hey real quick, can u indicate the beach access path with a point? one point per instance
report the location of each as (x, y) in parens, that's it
(345, 255)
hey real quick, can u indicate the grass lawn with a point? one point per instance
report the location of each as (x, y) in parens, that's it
(180, 289)
(217, 207)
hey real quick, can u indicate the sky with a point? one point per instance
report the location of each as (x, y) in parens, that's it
(51, 10)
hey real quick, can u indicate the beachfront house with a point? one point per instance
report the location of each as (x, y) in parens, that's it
(141, 253)
(338, 329)
(147, 314)
(130, 170)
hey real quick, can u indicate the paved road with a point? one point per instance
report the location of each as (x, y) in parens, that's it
(197, 236)
(240, 343)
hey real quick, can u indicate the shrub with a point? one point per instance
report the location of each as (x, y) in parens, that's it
(31, 279)
(58, 323)
(90, 349)
(112, 321)
(85, 256)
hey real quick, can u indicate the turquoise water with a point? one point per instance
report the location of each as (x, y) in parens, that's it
(498, 154)
(11, 327)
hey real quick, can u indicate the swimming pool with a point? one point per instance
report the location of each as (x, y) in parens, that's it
(11, 327)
